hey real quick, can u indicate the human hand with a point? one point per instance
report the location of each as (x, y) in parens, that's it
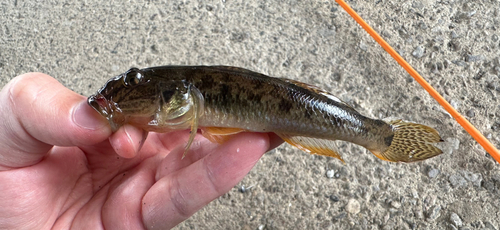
(61, 167)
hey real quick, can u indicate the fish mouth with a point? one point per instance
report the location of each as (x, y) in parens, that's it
(100, 104)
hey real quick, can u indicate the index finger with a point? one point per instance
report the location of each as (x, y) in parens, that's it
(177, 195)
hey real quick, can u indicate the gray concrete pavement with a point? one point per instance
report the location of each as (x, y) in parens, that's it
(454, 44)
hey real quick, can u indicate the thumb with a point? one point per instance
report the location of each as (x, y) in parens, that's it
(37, 112)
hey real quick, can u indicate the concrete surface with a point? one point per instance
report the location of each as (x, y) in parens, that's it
(454, 44)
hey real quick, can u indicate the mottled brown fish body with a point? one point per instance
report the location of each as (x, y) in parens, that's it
(255, 102)
(231, 97)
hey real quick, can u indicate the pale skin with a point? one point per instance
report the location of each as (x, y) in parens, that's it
(61, 167)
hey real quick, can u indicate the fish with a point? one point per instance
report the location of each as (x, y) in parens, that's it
(222, 101)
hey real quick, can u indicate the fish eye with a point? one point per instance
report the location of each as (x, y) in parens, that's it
(132, 77)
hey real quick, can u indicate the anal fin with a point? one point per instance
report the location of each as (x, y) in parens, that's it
(313, 145)
(379, 155)
(219, 135)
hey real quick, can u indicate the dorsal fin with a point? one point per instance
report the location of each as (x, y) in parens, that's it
(237, 70)
(317, 90)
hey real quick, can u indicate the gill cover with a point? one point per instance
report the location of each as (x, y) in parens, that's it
(180, 107)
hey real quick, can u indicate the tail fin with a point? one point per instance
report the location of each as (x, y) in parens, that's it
(411, 142)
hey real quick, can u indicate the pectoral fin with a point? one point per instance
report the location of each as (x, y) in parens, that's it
(219, 135)
(313, 145)
(197, 110)
(192, 134)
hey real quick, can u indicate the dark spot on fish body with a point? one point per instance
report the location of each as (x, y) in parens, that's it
(206, 82)
(388, 140)
(244, 106)
(253, 97)
(308, 113)
(167, 94)
(285, 105)
(226, 77)
(221, 99)
(225, 90)
(257, 84)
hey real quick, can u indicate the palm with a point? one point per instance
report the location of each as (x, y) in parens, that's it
(96, 188)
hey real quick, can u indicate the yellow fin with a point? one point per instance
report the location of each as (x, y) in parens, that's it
(192, 135)
(197, 104)
(219, 135)
(411, 142)
(313, 145)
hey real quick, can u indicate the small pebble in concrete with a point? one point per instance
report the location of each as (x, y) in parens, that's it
(472, 58)
(334, 198)
(457, 180)
(353, 206)
(363, 46)
(488, 225)
(418, 52)
(395, 204)
(455, 219)
(474, 178)
(451, 144)
(414, 193)
(339, 216)
(433, 173)
(433, 213)
(330, 173)
(470, 113)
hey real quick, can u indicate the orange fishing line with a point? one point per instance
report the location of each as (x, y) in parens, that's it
(459, 118)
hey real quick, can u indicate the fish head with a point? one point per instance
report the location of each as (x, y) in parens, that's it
(138, 98)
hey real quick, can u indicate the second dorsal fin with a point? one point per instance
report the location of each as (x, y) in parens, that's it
(317, 90)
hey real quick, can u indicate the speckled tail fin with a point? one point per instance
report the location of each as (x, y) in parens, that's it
(411, 142)
(313, 145)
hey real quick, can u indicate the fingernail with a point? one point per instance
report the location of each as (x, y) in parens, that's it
(129, 147)
(144, 137)
(87, 118)
(136, 136)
